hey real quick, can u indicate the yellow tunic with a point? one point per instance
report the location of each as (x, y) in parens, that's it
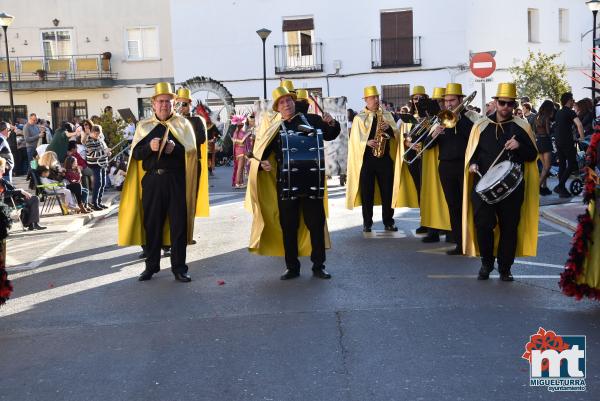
(266, 237)
(131, 227)
(590, 273)
(527, 233)
(404, 190)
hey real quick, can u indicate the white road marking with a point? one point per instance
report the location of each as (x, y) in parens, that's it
(449, 276)
(547, 233)
(384, 234)
(524, 262)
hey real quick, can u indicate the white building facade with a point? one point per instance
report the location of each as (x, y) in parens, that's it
(338, 47)
(59, 62)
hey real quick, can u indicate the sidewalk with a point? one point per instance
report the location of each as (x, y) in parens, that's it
(54, 219)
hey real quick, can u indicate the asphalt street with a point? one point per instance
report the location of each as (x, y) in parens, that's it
(399, 320)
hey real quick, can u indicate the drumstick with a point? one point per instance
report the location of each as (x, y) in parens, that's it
(497, 157)
(250, 155)
(319, 108)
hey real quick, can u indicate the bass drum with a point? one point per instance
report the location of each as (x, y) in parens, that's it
(302, 171)
(499, 182)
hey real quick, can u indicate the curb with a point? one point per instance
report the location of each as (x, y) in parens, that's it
(559, 220)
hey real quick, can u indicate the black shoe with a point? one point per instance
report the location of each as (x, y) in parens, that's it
(30, 227)
(102, 206)
(193, 242)
(38, 227)
(320, 272)
(505, 275)
(96, 207)
(484, 272)
(290, 274)
(421, 230)
(183, 277)
(431, 238)
(455, 251)
(166, 253)
(142, 255)
(391, 228)
(366, 229)
(544, 191)
(145, 276)
(564, 194)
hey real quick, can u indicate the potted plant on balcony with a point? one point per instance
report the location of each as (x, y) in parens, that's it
(106, 56)
(41, 73)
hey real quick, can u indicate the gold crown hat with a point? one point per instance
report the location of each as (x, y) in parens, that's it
(418, 90)
(438, 93)
(506, 89)
(454, 89)
(370, 91)
(280, 92)
(301, 94)
(289, 85)
(163, 88)
(184, 93)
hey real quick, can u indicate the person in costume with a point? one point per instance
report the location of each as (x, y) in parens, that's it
(183, 106)
(278, 222)
(581, 277)
(239, 138)
(376, 180)
(517, 215)
(161, 183)
(452, 144)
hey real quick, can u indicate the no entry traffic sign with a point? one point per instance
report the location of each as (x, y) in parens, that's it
(483, 64)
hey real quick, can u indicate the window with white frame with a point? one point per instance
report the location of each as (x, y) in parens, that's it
(57, 42)
(299, 34)
(533, 25)
(142, 43)
(563, 24)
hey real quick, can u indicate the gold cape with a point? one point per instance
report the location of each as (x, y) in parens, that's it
(202, 207)
(404, 190)
(527, 233)
(590, 273)
(266, 237)
(131, 220)
(434, 209)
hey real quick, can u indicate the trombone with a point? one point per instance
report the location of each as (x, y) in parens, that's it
(445, 118)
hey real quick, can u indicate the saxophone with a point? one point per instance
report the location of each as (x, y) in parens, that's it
(380, 137)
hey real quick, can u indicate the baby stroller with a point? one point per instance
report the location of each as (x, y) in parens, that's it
(576, 185)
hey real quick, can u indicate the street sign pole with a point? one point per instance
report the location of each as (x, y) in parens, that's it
(483, 110)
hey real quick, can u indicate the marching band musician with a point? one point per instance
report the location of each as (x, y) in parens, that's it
(434, 209)
(183, 103)
(451, 144)
(366, 172)
(161, 182)
(276, 221)
(500, 136)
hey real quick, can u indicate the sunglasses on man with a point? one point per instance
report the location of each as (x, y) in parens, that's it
(184, 104)
(509, 103)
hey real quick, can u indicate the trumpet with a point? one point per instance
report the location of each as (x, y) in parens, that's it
(445, 118)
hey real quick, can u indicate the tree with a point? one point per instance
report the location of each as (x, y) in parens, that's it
(112, 128)
(540, 77)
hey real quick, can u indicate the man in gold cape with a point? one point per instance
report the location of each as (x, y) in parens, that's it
(508, 228)
(403, 192)
(289, 228)
(133, 218)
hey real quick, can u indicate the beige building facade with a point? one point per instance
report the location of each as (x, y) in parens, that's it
(73, 58)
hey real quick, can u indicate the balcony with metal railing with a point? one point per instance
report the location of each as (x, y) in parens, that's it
(301, 58)
(39, 72)
(396, 52)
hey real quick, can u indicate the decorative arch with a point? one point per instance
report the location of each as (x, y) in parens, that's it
(206, 84)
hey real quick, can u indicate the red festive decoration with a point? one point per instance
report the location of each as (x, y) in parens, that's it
(542, 341)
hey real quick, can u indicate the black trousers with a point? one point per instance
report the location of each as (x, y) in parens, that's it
(383, 172)
(567, 163)
(314, 217)
(507, 213)
(452, 179)
(164, 195)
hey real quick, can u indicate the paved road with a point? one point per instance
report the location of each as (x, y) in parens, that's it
(399, 320)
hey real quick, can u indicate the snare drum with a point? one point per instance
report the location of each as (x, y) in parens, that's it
(499, 182)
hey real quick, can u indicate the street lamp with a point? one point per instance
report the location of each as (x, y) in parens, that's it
(594, 6)
(264, 34)
(5, 21)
